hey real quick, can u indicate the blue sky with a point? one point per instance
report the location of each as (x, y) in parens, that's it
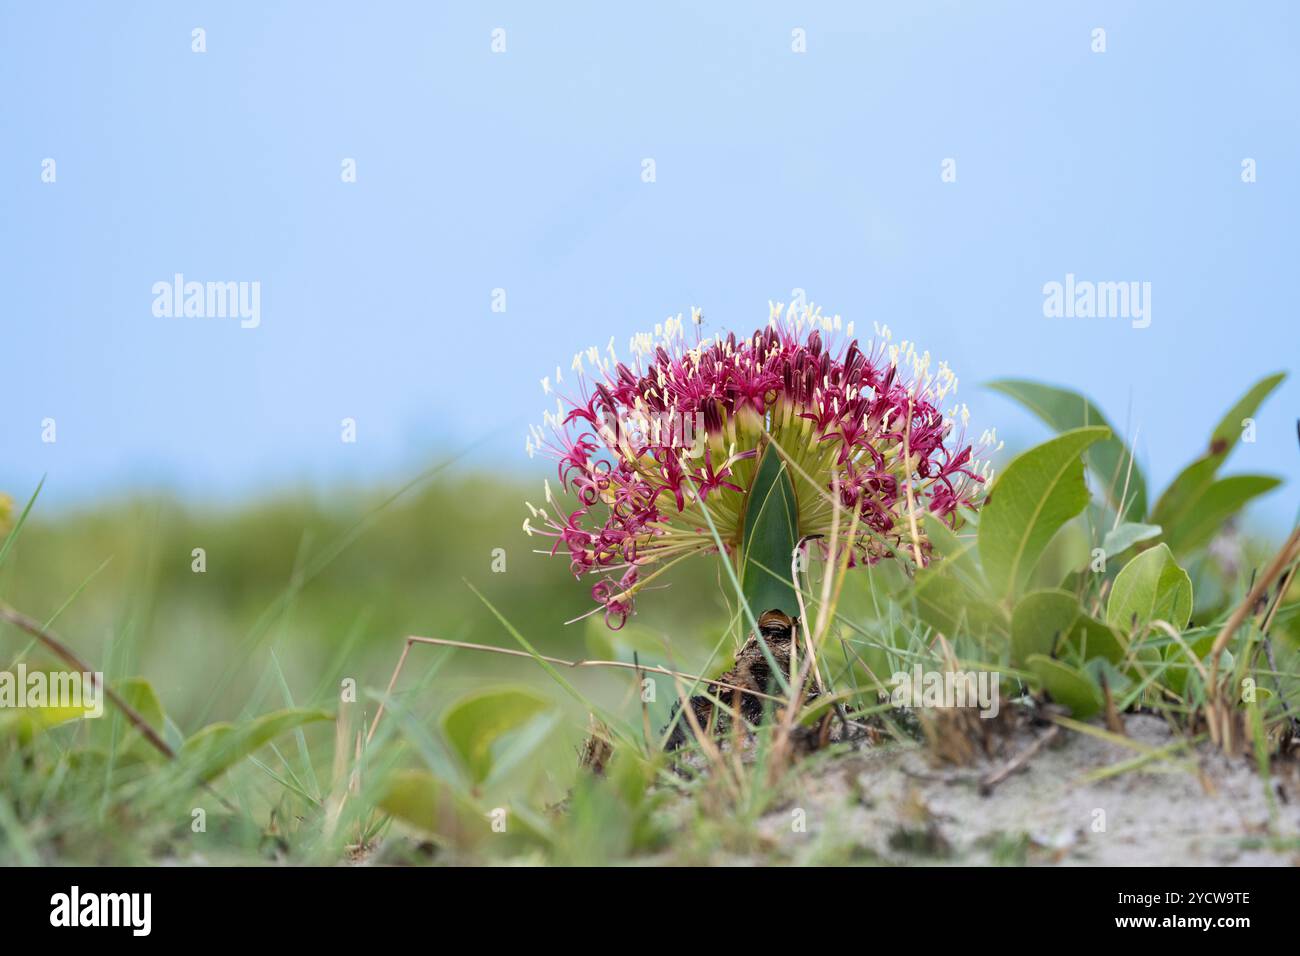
(522, 170)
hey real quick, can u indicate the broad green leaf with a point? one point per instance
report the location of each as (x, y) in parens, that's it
(1184, 490)
(1118, 540)
(34, 699)
(1091, 639)
(1206, 514)
(29, 722)
(1039, 619)
(1111, 459)
(140, 695)
(1150, 587)
(1038, 493)
(1228, 432)
(1192, 481)
(771, 531)
(1067, 685)
(419, 798)
(474, 723)
(522, 747)
(217, 747)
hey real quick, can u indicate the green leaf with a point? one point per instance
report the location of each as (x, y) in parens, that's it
(1038, 493)
(419, 798)
(1111, 459)
(1184, 491)
(1215, 504)
(1038, 620)
(140, 695)
(1150, 587)
(34, 699)
(1227, 433)
(771, 531)
(523, 747)
(474, 723)
(949, 606)
(29, 722)
(1067, 685)
(1090, 639)
(1118, 540)
(217, 747)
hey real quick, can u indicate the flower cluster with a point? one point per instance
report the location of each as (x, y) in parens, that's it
(646, 448)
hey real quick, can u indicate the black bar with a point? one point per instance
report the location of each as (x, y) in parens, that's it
(330, 905)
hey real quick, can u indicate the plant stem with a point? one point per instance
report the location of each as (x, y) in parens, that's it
(65, 653)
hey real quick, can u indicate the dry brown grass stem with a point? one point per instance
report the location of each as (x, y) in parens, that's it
(510, 652)
(68, 656)
(1218, 710)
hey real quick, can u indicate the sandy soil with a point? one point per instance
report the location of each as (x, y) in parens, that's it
(891, 806)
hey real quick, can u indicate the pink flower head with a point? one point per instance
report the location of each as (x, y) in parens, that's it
(644, 449)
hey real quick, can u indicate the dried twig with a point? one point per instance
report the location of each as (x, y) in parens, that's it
(1284, 557)
(1018, 762)
(510, 652)
(68, 656)
(1216, 706)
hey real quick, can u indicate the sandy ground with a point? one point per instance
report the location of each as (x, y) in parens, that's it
(890, 806)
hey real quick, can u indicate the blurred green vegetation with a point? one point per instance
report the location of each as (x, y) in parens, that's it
(331, 585)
